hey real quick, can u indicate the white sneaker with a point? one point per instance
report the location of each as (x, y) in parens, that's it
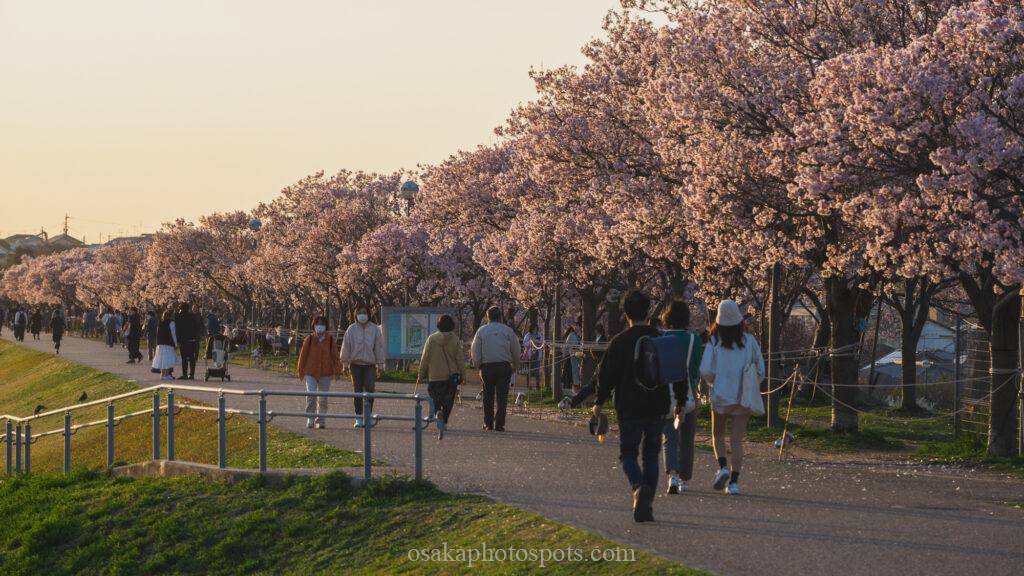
(358, 424)
(309, 422)
(721, 478)
(733, 489)
(673, 484)
(684, 486)
(565, 404)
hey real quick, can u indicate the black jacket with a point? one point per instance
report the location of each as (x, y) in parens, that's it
(186, 325)
(617, 373)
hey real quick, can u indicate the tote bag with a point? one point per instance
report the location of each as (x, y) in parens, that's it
(750, 395)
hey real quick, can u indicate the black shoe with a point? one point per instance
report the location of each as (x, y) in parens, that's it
(646, 503)
(130, 362)
(499, 428)
(182, 377)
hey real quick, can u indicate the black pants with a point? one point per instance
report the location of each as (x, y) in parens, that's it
(641, 439)
(19, 333)
(442, 392)
(151, 343)
(496, 376)
(364, 379)
(133, 348)
(188, 358)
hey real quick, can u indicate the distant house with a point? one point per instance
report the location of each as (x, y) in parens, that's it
(32, 243)
(64, 242)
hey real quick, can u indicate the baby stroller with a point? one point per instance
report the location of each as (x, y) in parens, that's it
(217, 350)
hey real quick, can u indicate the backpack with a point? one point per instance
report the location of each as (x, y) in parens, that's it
(20, 318)
(659, 361)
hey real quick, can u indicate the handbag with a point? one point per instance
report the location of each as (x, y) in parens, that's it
(750, 394)
(691, 403)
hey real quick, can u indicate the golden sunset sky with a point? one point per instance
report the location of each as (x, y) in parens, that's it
(128, 113)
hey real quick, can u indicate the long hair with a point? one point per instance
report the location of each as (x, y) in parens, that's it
(731, 337)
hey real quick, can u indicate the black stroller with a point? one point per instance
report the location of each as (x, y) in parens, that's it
(217, 350)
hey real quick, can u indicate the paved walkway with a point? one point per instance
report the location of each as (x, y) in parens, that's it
(793, 518)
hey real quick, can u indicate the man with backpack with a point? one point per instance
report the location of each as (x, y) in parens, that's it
(641, 406)
(20, 323)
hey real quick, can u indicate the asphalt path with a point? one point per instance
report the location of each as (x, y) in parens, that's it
(795, 517)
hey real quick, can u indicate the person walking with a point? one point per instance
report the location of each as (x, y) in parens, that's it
(134, 335)
(319, 364)
(572, 349)
(533, 353)
(362, 353)
(151, 325)
(36, 323)
(641, 410)
(119, 327)
(109, 328)
(20, 323)
(57, 326)
(167, 341)
(727, 356)
(442, 365)
(681, 427)
(495, 351)
(188, 340)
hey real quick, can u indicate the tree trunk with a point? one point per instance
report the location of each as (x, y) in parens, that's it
(1002, 430)
(908, 351)
(590, 302)
(552, 337)
(615, 324)
(842, 303)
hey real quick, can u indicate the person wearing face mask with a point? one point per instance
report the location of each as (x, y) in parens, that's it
(319, 364)
(362, 351)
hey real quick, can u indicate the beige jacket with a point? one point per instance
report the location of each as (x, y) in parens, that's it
(442, 356)
(363, 344)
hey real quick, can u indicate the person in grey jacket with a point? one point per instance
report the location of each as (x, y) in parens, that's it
(495, 351)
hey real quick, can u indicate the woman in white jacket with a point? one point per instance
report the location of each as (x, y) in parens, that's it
(726, 357)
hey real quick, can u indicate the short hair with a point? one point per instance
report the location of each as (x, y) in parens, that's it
(168, 314)
(636, 305)
(318, 320)
(445, 323)
(494, 314)
(676, 315)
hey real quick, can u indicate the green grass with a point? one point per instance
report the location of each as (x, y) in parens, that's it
(29, 378)
(968, 450)
(90, 523)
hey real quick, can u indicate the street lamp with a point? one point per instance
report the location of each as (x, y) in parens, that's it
(408, 193)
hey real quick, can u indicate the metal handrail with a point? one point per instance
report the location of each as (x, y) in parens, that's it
(19, 429)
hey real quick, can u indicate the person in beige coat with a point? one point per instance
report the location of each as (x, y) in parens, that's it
(362, 352)
(442, 365)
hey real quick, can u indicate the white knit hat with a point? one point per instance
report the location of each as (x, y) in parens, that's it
(729, 314)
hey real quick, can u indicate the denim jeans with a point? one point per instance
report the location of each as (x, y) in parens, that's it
(641, 440)
(679, 445)
(317, 404)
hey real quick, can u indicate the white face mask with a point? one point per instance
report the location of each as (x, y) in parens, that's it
(362, 318)
(320, 328)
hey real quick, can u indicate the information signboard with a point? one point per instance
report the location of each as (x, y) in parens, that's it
(406, 329)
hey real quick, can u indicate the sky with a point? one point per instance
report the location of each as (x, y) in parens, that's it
(124, 114)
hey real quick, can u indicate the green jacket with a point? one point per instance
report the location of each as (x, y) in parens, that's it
(693, 370)
(442, 356)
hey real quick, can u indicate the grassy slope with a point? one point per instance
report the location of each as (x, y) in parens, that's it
(28, 378)
(88, 523)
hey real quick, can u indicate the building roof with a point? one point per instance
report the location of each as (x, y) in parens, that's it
(66, 240)
(15, 238)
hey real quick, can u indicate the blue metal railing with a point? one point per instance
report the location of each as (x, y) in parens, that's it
(18, 437)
